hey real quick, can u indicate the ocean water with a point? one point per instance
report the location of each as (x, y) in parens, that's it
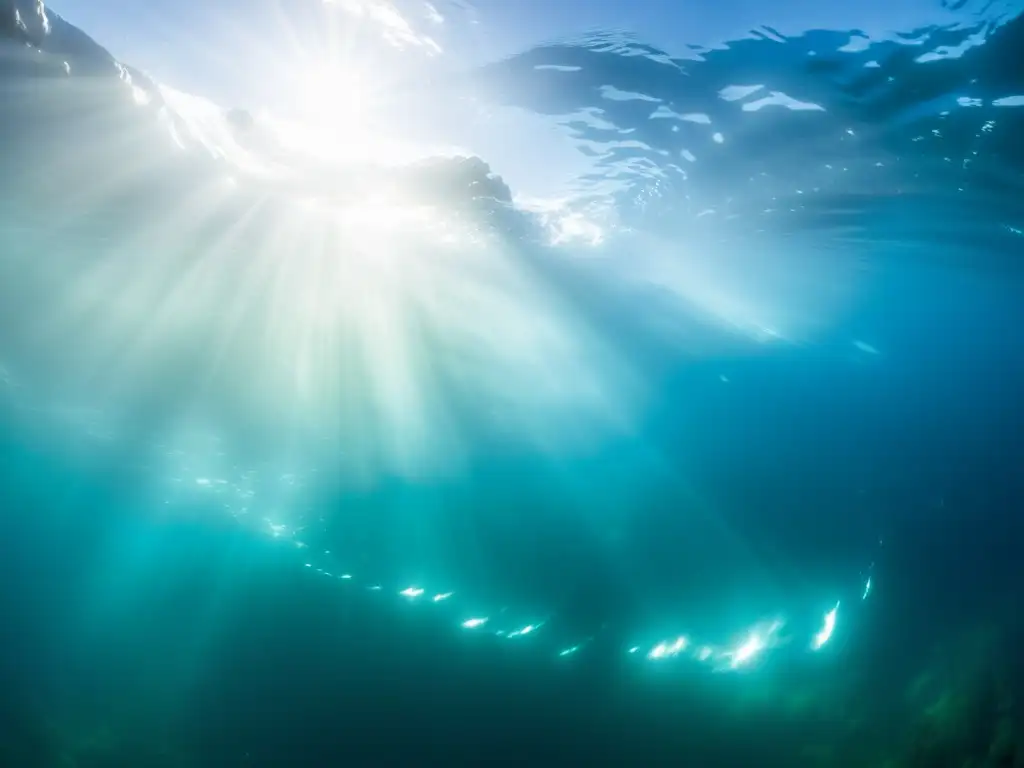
(603, 402)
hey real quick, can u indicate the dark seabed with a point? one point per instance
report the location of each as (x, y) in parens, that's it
(324, 462)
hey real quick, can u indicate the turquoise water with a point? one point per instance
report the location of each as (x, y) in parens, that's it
(323, 444)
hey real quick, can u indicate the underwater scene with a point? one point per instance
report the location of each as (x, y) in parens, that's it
(470, 382)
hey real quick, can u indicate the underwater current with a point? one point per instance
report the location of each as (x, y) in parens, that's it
(495, 382)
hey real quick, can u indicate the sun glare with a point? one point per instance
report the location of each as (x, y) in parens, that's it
(297, 272)
(331, 98)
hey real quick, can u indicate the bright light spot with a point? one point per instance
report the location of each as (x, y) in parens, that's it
(474, 623)
(442, 596)
(412, 592)
(331, 98)
(524, 631)
(857, 44)
(748, 650)
(576, 228)
(612, 93)
(661, 650)
(867, 589)
(139, 96)
(755, 643)
(704, 654)
(737, 92)
(825, 633)
(780, 99)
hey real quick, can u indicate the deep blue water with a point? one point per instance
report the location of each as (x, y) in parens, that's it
(280, 490)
